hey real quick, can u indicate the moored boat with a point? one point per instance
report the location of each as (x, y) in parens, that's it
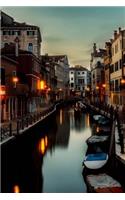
(95, 161)
(103, 183)
(97, 139)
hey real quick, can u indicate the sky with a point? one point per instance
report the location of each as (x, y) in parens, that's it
(71, 31)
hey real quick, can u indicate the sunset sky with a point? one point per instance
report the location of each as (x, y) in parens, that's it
(71, 30)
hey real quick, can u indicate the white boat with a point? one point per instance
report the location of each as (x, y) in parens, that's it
(96, 160)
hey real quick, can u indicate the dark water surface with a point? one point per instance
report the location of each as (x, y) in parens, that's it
(49, 157)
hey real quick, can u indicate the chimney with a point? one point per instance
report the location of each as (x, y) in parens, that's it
(94, 48)
(115, 34)
(16, 46)
(120, 29)
(111, 40)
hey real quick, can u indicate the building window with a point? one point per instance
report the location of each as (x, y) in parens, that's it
(78, 73)
(2, 76)
(120, 64)
(116, 66)
(71, 79)
(116, 48)
(13, 73)
(31, 33)
(112, 51)
(72, 72)
(16, 32)
(116, 85)
(82, 72)
(6, 32)
(72, 85)
(30, 47)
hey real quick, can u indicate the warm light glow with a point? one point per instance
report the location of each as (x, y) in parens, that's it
(97, 87)
(88, 120)
(60, 118)
(42, 85)
(46, 140)
(42, 146)
(103, 85)
(15, 79)
(38, 84)
(123, 81)
(97, 129)
(2, 92)
(88, 89)
(49, 89)
(16, 189)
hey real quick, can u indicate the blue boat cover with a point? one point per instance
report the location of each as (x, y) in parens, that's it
(96, 156)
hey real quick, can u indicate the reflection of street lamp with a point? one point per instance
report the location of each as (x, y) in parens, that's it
(97, 87)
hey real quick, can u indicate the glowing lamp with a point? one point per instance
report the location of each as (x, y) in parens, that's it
(123, 81)
(103, 85)
(15, 79)
(97, 87)
(42, 85)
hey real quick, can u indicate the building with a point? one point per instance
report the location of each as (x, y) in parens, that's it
(97, 74)
(117, 69)
(79, 79)
(28, 72)
(29, 36)
(58, 68)
(107, 63)
(13, 102)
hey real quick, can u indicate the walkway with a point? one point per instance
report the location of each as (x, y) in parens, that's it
(15, 127)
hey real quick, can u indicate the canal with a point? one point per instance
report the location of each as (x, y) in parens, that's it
(48, 158)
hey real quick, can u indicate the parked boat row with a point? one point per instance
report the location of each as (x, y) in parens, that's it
(96, 160)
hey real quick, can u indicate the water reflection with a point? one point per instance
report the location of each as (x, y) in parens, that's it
(48, 158)
(16, 189)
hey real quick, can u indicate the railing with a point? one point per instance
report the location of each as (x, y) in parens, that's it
(21, 124)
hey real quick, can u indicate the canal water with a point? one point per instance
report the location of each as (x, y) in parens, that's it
(48, 158)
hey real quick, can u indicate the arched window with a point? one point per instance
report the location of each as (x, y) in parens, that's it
(30, 47)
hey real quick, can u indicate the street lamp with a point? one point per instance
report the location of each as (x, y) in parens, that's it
(15, 80)
(2, 92)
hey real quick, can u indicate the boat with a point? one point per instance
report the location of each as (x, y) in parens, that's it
(103, 121)
(97, 139)
(95, 160)
(97, 117)
(103, 183)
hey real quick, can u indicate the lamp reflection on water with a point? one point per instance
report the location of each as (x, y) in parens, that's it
(16, 189)
(97, 129)
(43, 145)
(46, 140)
(60, 118)
(87, 120)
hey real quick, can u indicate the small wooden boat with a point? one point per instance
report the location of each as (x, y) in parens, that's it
(97, 139)
(96, 160)
(103, 183)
